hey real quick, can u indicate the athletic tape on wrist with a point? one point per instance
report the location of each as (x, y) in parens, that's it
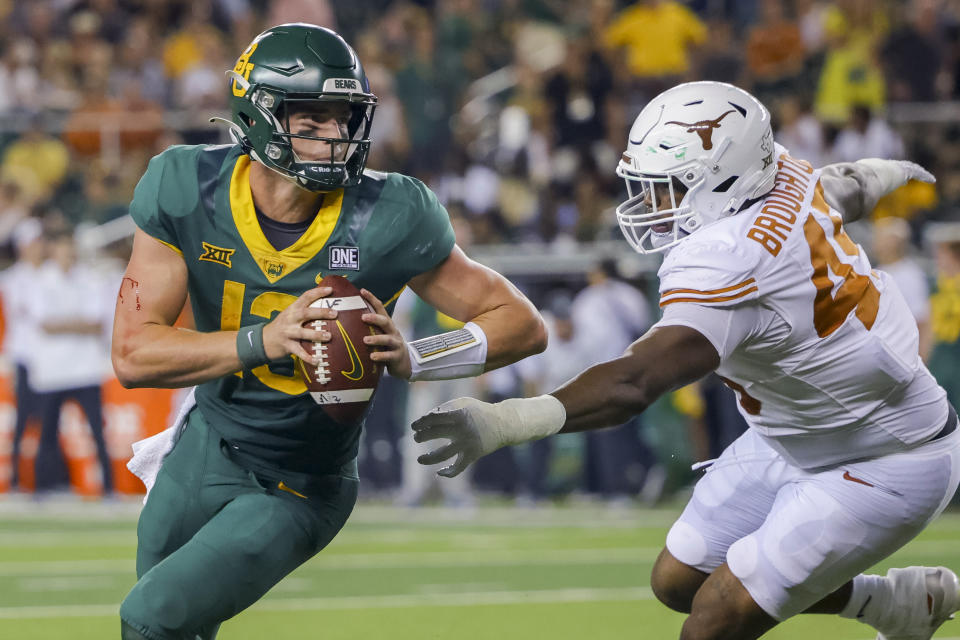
(455, 354)
(529, 419)
(250, 348)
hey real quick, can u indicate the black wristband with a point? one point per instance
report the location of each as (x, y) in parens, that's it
(250, 346)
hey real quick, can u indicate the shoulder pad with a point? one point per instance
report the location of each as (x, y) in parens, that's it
(174, 175)
(712, 270)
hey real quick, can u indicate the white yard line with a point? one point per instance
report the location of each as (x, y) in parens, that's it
(412, 560)
(66, 583)
(425, 559)
(368, 602)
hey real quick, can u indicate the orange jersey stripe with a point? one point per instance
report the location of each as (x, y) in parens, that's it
(741, 294)
(819, 201)
(709, 292)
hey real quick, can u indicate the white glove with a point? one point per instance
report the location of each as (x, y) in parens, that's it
(854, 188)
(913, 171)
(476, 428)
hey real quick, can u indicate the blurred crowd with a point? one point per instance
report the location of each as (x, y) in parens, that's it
(515, 112)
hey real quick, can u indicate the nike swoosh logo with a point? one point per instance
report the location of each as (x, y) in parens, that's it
(250, 337)
(847, 476)
(357, 371)
(284, 487)
(860, 613)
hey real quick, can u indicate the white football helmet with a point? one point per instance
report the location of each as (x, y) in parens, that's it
(709, 147)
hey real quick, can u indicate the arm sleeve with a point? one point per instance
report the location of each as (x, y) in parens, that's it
(853, 188)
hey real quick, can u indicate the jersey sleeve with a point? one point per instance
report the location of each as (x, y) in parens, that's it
(429, 236)
(725, 327)
(166, 191)
(710, 284)
(713, 275)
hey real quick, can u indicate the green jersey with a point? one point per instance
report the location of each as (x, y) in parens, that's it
(379, 234)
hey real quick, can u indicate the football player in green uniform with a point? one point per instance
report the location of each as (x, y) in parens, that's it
(260, 478)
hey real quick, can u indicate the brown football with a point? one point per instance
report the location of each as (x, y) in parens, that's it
(344, 379)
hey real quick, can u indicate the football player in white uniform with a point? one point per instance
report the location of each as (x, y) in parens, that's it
(853, 447)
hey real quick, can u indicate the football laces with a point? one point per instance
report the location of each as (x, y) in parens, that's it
(321, 371)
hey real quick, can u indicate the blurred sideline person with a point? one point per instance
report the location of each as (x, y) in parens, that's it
(68, 361)
(891, 252)
(853, 447)
(609, 314)
(18, 282)
(944, 361)
(418, 480)
(260, 479)
(564, 357)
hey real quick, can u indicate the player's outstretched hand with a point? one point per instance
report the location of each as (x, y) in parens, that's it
(283, 334)
(913, 171)
(392, 347)
(469, 425)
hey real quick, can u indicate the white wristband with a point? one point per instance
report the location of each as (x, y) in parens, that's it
(455, 354)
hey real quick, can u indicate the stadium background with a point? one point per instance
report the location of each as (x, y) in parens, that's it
(515, 113)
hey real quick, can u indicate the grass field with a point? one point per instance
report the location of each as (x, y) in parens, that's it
(559, 573)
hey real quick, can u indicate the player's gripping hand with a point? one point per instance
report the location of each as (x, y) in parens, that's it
(392, 348)
(475, 429)
(282, 335)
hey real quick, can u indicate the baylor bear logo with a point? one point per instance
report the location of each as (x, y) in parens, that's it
(274, 269)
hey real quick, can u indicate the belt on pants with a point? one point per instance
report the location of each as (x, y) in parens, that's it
(949, 427)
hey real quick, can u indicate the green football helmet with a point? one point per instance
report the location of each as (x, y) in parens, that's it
(294, 69)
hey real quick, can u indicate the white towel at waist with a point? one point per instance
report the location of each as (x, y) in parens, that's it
(148, 454)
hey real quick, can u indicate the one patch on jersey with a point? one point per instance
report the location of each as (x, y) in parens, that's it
(215, 254)
(345, 258)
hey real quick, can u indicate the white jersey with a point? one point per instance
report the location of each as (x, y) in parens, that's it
(16, 285)
(821, 349)
(61, 361)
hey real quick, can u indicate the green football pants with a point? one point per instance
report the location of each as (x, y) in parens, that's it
(214, 537)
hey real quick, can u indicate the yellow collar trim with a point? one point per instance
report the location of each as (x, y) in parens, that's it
(276, 264)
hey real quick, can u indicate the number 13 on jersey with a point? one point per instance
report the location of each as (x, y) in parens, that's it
(264, 305)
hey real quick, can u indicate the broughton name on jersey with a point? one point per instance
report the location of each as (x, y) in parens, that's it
(779, 212)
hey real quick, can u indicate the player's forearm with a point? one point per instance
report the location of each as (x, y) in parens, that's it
(610, 393)
(168, 357)
(514, 331)
(605, 395)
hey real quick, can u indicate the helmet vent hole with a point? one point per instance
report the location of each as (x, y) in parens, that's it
(726, 184)
(742, 111)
